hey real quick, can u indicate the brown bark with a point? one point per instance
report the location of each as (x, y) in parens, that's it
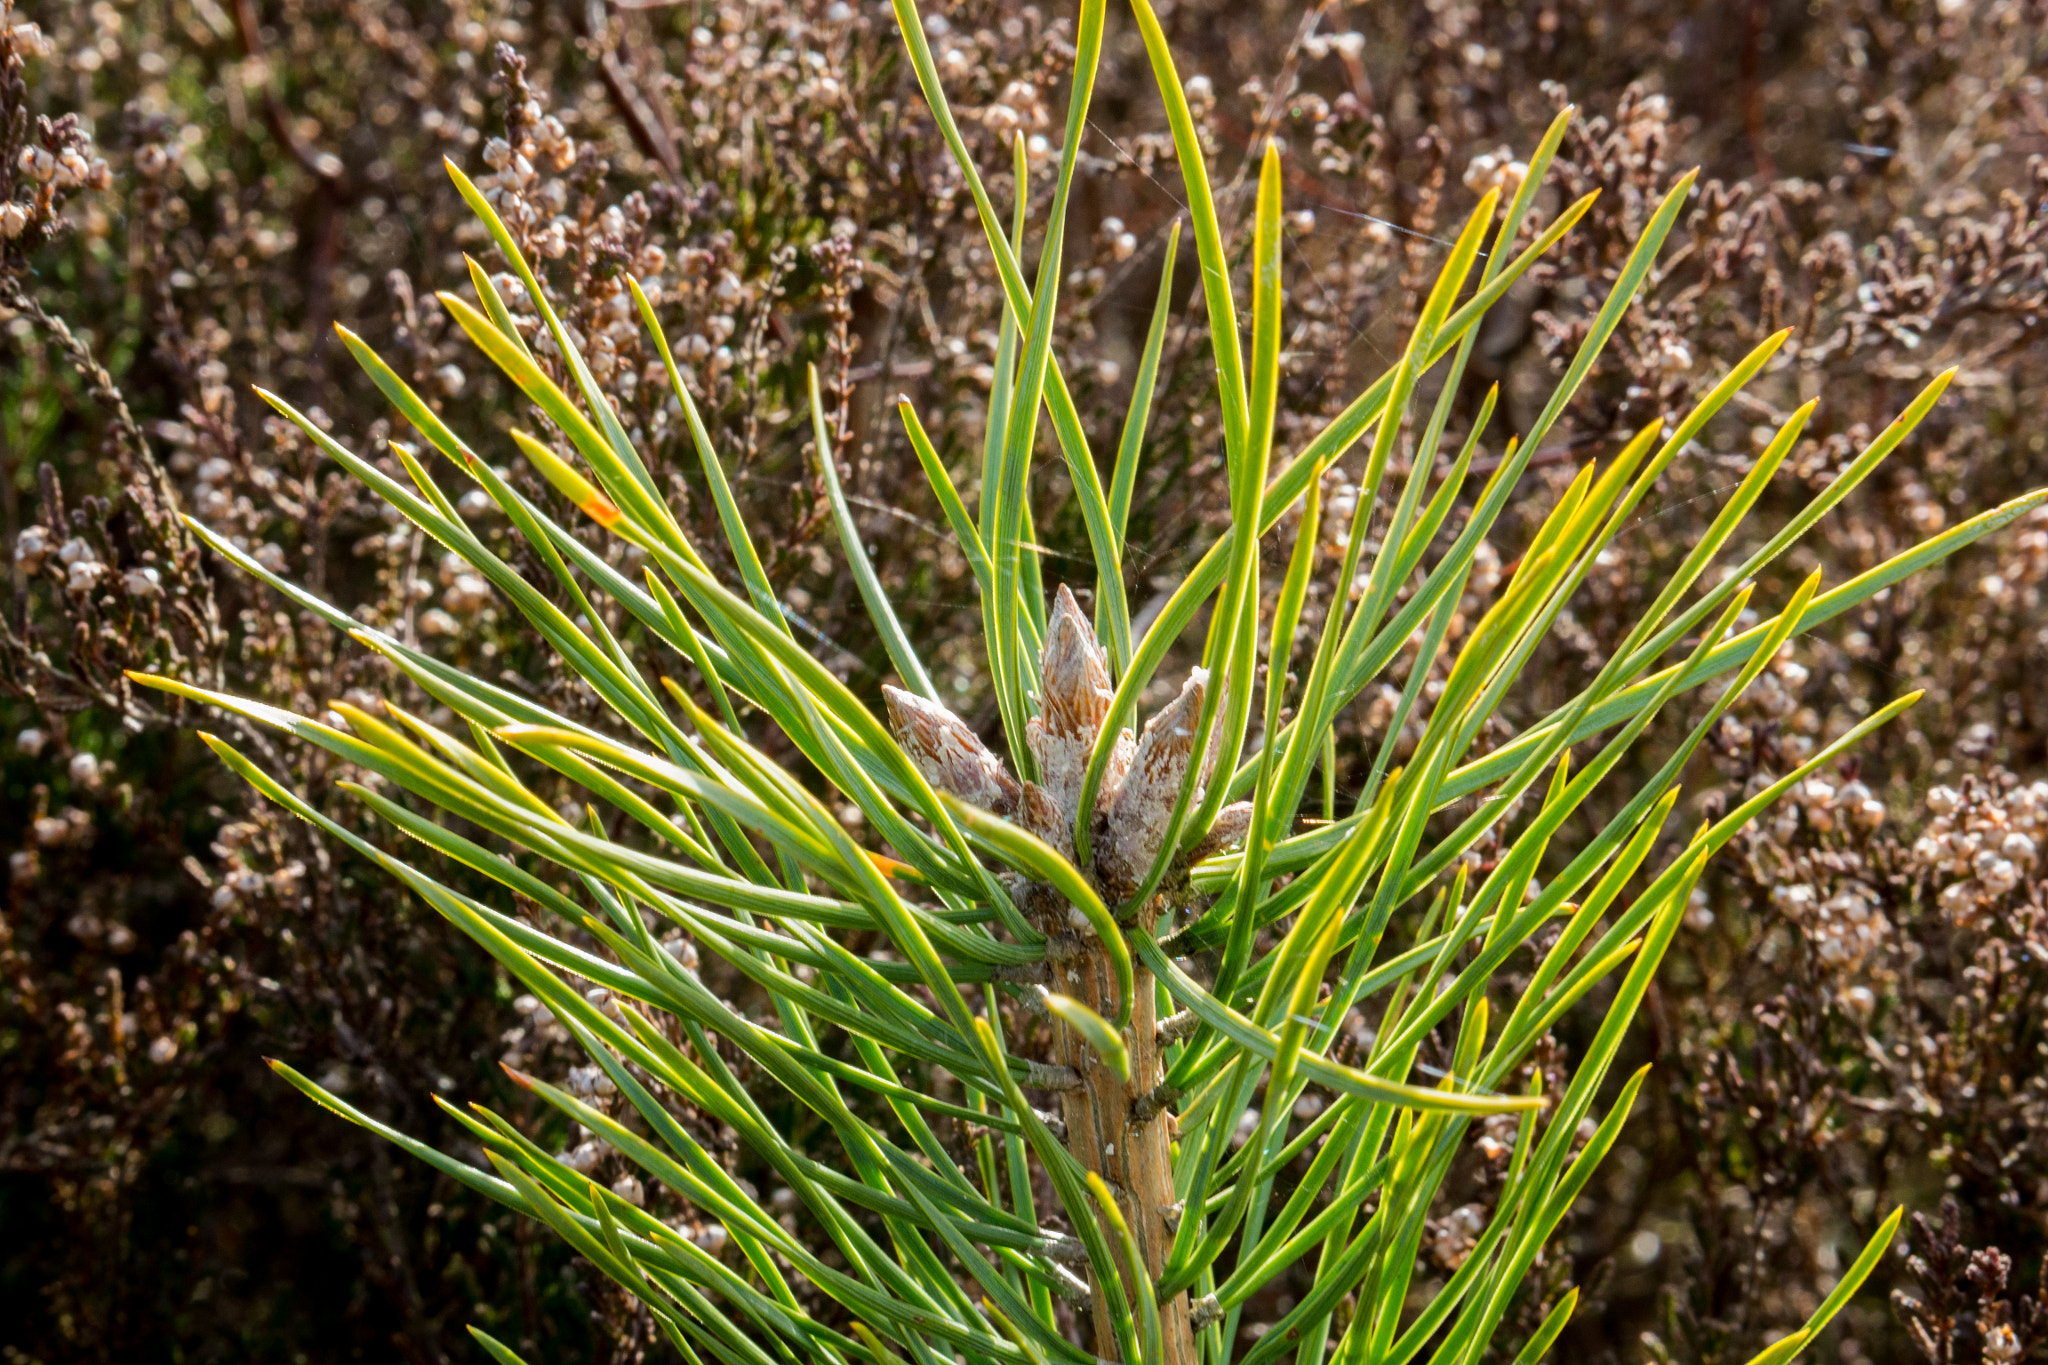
(1133, 1157)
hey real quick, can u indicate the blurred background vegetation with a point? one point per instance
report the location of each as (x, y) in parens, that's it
(194, 192)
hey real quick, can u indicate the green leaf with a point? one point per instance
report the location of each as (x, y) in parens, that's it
(879, 611)
(1343, 1079)
(1783, 1351)
(1107, 1041)
(729, 517)
(1148, 1351)
(1132, 442)
(963, 527)
(1021, 300)
(620, 448)
(1554, 1322)
(1187, 150)
(497, 1350)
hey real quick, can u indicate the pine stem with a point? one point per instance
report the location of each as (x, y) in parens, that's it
(1134, 1157)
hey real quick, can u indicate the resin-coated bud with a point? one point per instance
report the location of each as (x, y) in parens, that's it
(1233, 822)
(1074, 698)
(1044, 817)
(1143, 806)
(949, 754)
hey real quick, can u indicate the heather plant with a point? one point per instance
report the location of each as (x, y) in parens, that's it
(1157, 925)
(1861, 1024)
